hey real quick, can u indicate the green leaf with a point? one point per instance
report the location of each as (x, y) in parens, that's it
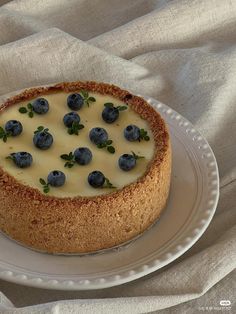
(92, 99)
(109, 142)
(80, 126)
(109, 105)
(29, 106)
(75, 128)
(42, 181)
(143, 135)
(69, 164)
(40, 128)
(22, 110)
(31, 114)
(75, 125)
(10, 157)
(142, 132)
(65, 157)
(46, 189)
(71, 156)
(111, 149)
(122, 108)
(101, 145)
(84, 93)
(137, 156)
(108, 184)
(4, 135)
(70, 131)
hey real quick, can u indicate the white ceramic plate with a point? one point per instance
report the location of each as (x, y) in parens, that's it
(191, 206)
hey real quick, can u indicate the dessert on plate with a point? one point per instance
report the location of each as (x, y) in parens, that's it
(84, 166)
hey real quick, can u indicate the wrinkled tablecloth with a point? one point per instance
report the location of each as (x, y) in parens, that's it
(181, 52)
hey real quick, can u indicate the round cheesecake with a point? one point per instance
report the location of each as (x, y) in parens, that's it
(84, 166)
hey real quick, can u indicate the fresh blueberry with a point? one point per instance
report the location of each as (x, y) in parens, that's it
(96, 179)
(75, 101)
(14, 127)
(132, 133)
(83, 155)
(98, 135)
(43, 140)
(56, 178)
(127, 162)
(71, 117)
(40, 106)
(110, 114)
(22, 159)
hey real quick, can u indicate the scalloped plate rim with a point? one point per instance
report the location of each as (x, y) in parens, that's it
(54, 282)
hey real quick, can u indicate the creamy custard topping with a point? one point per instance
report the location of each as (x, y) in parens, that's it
(45, 161)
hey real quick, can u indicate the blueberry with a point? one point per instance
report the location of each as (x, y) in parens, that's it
(43, 140)
(127, 162)
(96, 179)
(14, 127)
(56, 178)
(22, 159)
(75, 101)
(83, 155)
(110, 114)
(40, 106)
(132, 133)
(71, 117)
(98, 135)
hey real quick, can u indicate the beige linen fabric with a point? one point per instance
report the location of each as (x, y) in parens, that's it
(182, 52)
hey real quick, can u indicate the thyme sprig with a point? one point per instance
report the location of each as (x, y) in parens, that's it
(11, 156)
(108, 146)
(111, 105)
(136, 157)
(87, 99)
(41, 129)
(108, 184)
(46, 186)
(4, 135)
(143, 135)
(28, 109)
(75, 128)
(70, 160)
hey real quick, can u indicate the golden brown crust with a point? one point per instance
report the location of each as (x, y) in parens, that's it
(85, 224)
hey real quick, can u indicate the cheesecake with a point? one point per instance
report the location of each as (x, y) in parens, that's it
(84, 166)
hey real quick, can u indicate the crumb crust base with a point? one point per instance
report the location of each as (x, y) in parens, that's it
(88, 224)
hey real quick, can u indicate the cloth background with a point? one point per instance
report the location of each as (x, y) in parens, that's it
(182, 52)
